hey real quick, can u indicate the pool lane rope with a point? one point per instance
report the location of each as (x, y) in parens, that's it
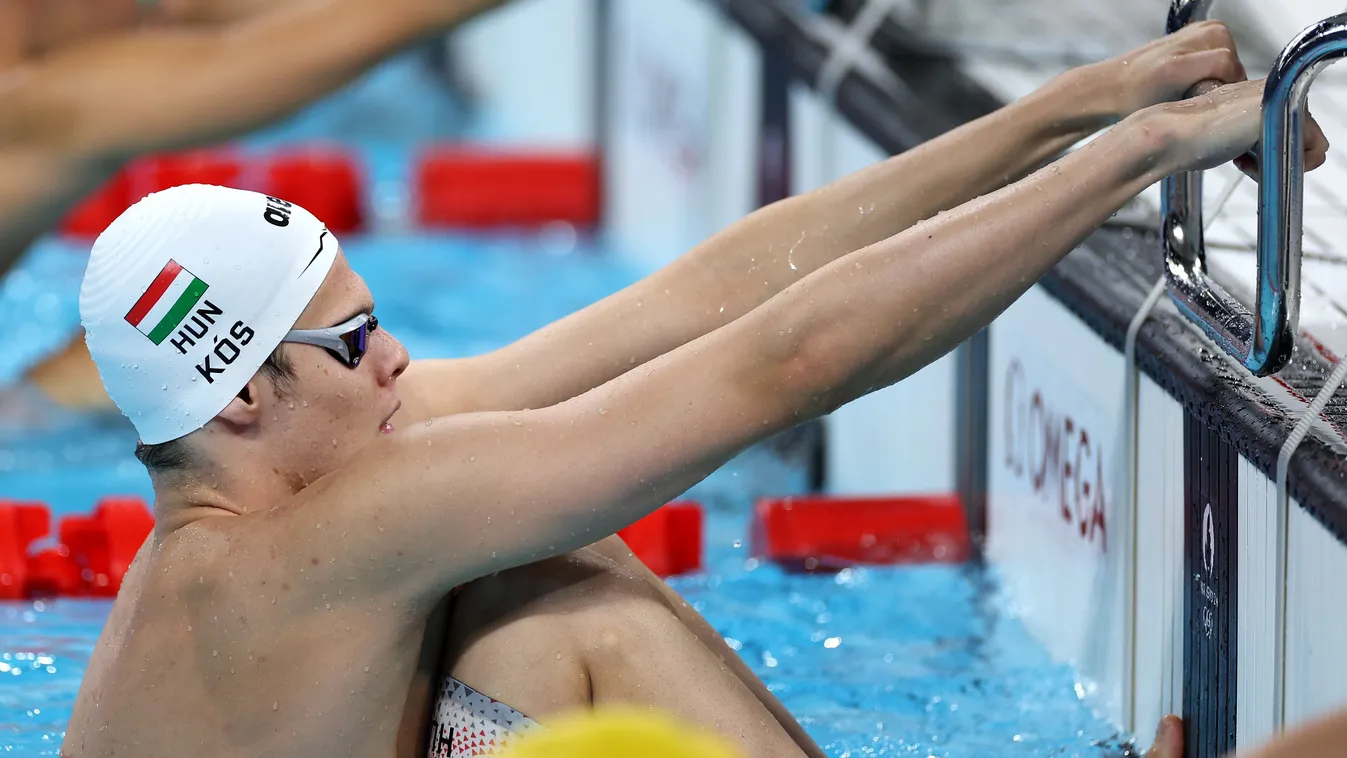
(1288, 449)
(1131, 421)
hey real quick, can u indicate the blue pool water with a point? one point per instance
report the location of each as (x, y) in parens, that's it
(924, 661)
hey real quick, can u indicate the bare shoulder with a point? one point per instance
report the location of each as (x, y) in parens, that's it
(241, 554)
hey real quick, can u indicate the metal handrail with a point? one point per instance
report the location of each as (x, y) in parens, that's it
(1261, 339)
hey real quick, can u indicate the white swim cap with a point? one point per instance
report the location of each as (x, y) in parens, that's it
(188, 292)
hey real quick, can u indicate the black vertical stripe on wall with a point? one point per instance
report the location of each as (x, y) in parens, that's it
(774, 131)
(1211, 516)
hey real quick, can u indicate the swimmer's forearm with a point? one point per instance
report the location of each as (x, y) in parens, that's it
(879, 314)
(756, 258)
(123, 94)
(781, 243)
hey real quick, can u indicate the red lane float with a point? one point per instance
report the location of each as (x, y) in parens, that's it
(95, 212)
(452, 187)
(668, 541)
(158, 172)
(324, 181)
(53, 572)
(468, 188)
(91, 558)
(104, 544)
(151, 173)
(830, 533)
(21, 524)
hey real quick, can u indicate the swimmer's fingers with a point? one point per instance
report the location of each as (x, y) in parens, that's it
(1168, 739)
(1315, 151)
(1166, 69)
(1316, 144)
(1248, 166)
(1187, 69)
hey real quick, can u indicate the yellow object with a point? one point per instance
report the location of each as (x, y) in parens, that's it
(618, 733)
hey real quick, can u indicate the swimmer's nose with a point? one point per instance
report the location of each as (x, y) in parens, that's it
(397, 361)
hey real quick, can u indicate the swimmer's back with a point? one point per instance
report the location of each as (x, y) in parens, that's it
(219, 657)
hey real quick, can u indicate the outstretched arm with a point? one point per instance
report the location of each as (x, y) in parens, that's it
(781, 244)
(460, 497)
(67, 121)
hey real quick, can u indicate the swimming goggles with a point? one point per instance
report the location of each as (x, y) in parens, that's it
(346, 342)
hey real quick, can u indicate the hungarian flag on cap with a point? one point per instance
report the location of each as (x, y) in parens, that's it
(167, 302)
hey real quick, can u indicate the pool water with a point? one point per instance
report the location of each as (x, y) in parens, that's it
(917, 661)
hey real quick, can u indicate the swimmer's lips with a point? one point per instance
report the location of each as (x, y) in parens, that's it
(387, 426)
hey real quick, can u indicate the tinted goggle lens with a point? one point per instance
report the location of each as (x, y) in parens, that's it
(357, 340)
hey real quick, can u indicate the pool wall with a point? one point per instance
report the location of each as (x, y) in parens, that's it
(714, 107)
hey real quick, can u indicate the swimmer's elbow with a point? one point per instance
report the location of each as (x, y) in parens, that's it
(796, 373)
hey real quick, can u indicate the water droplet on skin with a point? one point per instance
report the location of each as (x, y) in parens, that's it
(790, 256)
(275, 706)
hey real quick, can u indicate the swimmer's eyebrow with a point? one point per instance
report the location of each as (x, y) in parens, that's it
(367, 308)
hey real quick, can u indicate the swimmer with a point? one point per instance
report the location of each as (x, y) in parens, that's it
(318, 496)
(75, 106)
(521, 644)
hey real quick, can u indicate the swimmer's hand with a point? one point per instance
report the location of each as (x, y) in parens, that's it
(1218, 127)
(1165, 69)
(1168, 739)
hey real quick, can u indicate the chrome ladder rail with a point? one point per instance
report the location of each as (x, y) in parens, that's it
(1261, 339)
